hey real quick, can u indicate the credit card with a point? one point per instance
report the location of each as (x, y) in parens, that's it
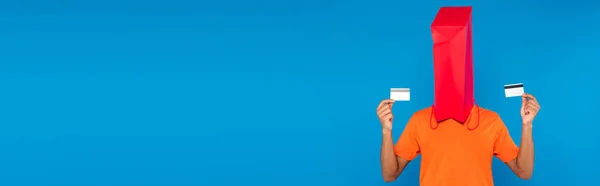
(514, 90)
(400, 94)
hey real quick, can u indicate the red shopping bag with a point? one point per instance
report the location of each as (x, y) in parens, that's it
(453, 63)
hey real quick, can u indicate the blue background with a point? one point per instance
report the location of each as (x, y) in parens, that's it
(272, 92)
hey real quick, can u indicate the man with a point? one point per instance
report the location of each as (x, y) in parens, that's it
(456, 138)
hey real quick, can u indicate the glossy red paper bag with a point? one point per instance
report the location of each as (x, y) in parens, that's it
(453, 64)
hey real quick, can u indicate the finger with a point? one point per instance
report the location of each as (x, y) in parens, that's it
(531, 97)
(536, 106)
(384, 112)
(533, 105)
(384, 102)
(533, 108)
(527, 109)
(527, 106)
(387, 116)
(531, 100)
(384, 107)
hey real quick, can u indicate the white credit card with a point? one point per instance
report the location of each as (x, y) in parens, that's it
(400, 94)
(514, 90)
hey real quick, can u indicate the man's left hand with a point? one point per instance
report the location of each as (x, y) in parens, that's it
(529, 109)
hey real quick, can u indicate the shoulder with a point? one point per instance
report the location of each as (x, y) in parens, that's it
(423, 114)
(487, 113)
(490, 117)
(421, 117)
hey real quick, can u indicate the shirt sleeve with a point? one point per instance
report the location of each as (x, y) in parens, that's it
(407, 146)
(504, 147)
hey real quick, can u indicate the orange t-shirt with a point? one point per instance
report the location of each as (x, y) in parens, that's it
(452, 154)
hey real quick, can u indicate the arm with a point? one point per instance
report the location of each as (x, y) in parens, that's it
(522, 166)
(391, 165)
(394, 158)
(507, 151)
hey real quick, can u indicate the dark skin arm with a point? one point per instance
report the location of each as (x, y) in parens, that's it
(391, 165)
(522, 166)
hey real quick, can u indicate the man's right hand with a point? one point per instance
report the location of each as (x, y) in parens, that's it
(384, 112)
(391, 165)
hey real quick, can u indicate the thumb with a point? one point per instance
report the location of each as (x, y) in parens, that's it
(523, 100)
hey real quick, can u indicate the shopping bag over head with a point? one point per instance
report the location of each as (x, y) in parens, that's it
(453, 63)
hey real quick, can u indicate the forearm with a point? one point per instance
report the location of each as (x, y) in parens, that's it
(525, 156)
(389, 161)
